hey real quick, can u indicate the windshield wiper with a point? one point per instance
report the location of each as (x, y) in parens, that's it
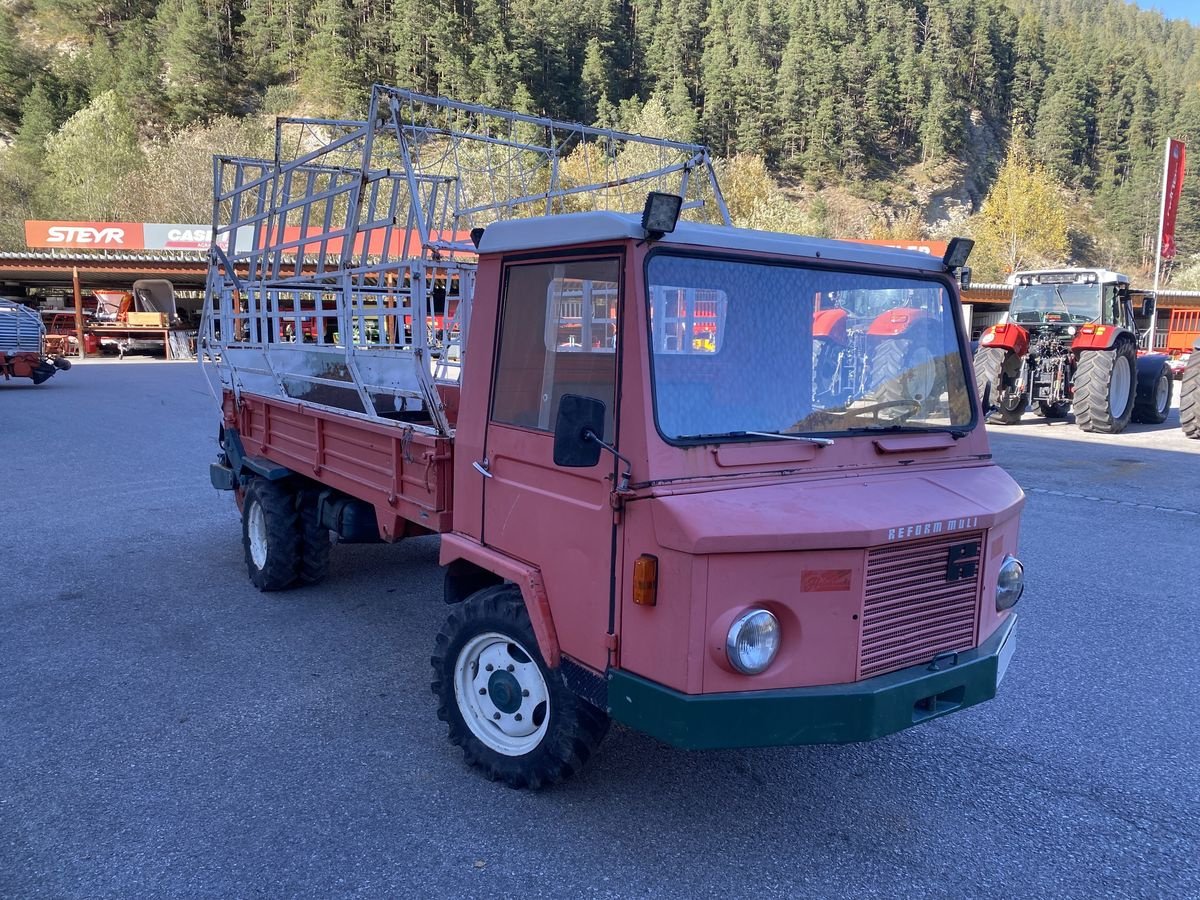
(727, 435)
(820, 442)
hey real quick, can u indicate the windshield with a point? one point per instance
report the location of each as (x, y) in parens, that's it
(743, 348)
(1033, 303)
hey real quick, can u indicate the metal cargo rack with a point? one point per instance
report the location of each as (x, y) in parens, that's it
(342, 271)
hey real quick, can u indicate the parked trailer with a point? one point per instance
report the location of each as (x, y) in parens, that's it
(23, 344)
(651, 507)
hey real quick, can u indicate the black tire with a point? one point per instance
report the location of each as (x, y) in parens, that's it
(571, 728)
(996, 372)
(42, 372)
(1095, 407)
(1189, 397)
(1153, 399)
(1053, 410)
(314, 544)
(824, 358)
(273, 561)
(898, 373)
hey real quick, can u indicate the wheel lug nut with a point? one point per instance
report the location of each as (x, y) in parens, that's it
(483, 690)
(490, 667)
(495, 715)
(517, 717)
(524, 693)
(511, 667)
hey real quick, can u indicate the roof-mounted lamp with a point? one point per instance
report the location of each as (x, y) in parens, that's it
(661, 214)
(955, 260)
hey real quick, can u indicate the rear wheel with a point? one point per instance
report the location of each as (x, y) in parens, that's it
(270, 535)
(1105, 381)
(1053, 410)
(904, 370)
(1189, 397)
(1153, 401)
(514, 717)
(996, 374)
(314, 543)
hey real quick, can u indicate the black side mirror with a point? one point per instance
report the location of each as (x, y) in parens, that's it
(1148, 305)
(964, 278)
(577, 431)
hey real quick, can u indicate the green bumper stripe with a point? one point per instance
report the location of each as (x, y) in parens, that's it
(833, 714)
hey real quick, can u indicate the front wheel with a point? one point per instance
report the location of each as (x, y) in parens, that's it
(1153, 401)
(1053, 410)
(513, 716)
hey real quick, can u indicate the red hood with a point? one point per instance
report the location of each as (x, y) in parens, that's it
(827, 514)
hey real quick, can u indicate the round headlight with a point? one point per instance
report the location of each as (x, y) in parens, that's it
(753, 641)
(1010, 584)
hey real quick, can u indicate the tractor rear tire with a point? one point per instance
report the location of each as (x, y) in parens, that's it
(1189, 397)
(314, 543)
(1105, 385)
(521, 725)
(271, 535)
(994, 367)
(1153, 401)
(1053, 410)
(905, 370)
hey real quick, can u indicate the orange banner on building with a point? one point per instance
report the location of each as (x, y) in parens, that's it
(85, 235)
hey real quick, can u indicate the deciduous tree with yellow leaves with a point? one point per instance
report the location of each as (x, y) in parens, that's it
(1023, 221)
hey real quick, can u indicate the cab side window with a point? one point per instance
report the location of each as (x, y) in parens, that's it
(558, 335)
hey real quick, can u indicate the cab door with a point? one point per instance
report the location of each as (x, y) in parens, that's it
(558, 334)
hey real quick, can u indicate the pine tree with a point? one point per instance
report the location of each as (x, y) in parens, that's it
(15, 68)
(197, 79)
(329, 80)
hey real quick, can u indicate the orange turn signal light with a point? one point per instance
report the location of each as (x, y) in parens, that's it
(645, 580)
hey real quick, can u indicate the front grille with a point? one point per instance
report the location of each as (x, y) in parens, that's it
(912, 611)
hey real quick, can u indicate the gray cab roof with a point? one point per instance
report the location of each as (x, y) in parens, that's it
(515, 235)
(1103, 276)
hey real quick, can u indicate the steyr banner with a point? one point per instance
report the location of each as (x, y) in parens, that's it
(1172, 187)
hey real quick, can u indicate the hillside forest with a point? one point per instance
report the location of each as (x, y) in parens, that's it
(1037, 126)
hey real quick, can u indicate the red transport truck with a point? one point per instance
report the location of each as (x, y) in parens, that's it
(652, 508)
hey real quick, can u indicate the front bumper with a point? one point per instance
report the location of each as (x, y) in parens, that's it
(833, 714)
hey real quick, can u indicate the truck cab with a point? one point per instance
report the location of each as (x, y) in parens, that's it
(742, 559)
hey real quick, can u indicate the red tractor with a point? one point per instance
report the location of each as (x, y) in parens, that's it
(1070, 343)
(876, 344)
(1189, 395)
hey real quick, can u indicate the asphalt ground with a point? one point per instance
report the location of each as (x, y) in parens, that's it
(168, 731)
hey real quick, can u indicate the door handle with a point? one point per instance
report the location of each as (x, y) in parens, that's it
(482, 467)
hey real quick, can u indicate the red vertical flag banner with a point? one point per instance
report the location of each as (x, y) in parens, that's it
(1172, 187)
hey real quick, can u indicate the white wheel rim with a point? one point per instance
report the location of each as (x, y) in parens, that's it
(501, 694)
(1162, 394)
(256, 528)
(1118, 388)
